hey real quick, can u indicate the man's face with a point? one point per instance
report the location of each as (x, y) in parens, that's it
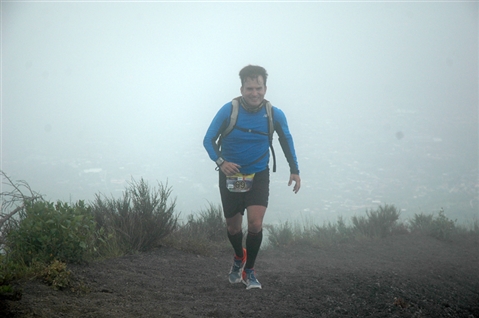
(253, 90)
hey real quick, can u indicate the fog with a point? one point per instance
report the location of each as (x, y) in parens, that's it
(381, 99)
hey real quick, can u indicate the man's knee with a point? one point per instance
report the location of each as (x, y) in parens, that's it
(232, 230)
(255, 225)
(233, 224)
(255, 218)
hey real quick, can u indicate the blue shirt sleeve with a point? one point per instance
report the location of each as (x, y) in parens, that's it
(218, 124)
(285, 139)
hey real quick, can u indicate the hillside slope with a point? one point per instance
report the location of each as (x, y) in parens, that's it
(399, 276)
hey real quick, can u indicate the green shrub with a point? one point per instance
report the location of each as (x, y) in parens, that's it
(331, 233)
(324, 235)
(473, 226)
(422, 223)
(201, 233)
(379, 223)
(139, 219)
(106, 244)
(9, 292)
(10, 270)
(54, 273)
(345, 233)
(210, 223)
(283, 234)
(57, 275)
(46, 231)
(440, 227)
(287, 234)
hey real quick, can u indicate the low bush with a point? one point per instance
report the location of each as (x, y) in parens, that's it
(332, 233)
(440, 226)
(201, 232)
(57, 275)
(443, 227)
(46, 231)
(309, 234)
(378, 223)
(41, 239)
(283, 234)
(421, 223)
(209, 223)
(140, 219)
(11, 270)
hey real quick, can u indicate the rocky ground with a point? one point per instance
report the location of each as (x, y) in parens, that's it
(399, 276)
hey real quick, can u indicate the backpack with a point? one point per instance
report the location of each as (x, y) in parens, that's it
(232, 125)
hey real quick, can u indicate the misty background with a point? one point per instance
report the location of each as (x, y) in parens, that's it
(381, 99)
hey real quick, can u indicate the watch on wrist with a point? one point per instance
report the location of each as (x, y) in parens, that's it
(219, 161)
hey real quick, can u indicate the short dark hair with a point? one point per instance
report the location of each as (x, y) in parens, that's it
(252, 71)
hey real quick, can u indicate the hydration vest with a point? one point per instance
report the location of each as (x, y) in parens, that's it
(232, 125)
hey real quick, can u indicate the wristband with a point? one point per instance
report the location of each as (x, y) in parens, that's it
(219, 161)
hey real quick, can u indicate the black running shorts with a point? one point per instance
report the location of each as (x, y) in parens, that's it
(237, 202)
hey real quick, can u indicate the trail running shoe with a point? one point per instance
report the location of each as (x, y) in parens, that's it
(249, 279)
(237, 268)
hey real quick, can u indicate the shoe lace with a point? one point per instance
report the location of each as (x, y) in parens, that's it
(237, 264)
(251, 276)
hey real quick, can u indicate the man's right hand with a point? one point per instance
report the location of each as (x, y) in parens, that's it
(229, 168)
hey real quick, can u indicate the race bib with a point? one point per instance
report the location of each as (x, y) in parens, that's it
(239, 182)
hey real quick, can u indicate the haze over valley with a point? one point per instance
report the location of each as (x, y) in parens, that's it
(381, 99)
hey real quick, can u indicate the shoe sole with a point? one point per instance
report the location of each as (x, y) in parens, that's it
(251, 286)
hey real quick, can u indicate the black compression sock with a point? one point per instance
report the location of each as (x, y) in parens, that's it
(236, 241)
(253, 243)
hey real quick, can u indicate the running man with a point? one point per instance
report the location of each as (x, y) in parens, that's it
(242, 154)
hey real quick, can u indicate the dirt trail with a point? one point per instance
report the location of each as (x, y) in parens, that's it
(400, 276)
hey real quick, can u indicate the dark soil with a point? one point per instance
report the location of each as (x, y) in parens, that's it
(399, 276)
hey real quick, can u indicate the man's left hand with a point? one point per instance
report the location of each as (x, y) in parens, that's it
(297, 182)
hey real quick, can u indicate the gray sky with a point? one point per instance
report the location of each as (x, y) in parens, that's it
(94, 93)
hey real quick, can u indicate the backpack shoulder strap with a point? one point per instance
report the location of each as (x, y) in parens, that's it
(233, 117)
(269, 112)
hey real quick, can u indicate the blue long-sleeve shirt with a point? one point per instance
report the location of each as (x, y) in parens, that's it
(247, 149)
